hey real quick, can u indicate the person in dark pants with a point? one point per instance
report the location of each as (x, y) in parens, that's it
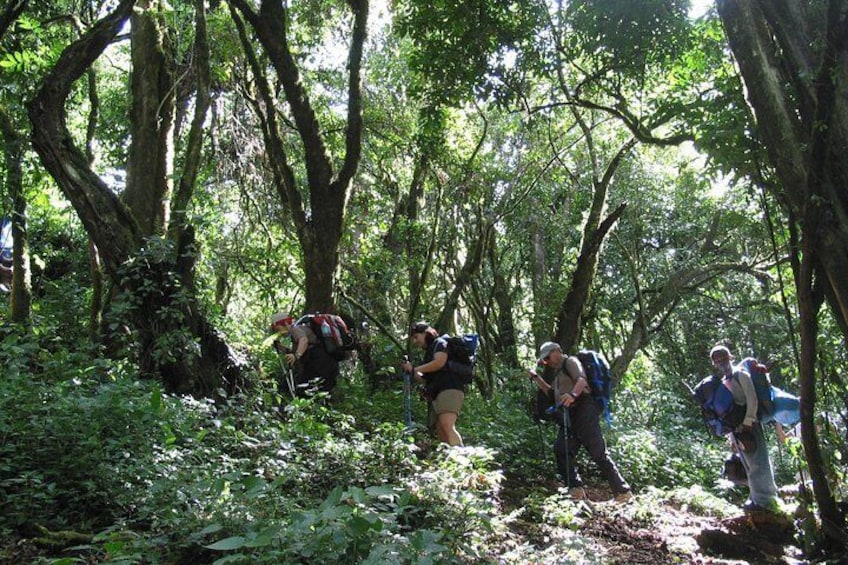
(568, 388)
(310, 361)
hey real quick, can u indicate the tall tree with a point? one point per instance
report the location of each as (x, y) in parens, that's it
(115, 229)
(325, 186)
(793, 57)
(14, 148)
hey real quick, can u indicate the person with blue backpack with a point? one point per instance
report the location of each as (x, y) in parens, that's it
(578, 416)
(747, 437)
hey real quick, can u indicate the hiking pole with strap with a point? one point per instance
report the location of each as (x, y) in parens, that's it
(288, 375)
(536, 417)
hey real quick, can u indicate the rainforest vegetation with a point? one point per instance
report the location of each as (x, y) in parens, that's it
(643, 178)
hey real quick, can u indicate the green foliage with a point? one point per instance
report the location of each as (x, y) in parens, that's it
(629, 36)
(73, 440)
(458, 43)
(689, 498)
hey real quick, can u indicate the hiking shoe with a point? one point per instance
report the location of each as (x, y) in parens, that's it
(625, 496)
(752, 507)
(577, 493)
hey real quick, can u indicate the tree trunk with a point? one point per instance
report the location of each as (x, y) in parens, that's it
(794, 64)
(21, 286)
(150, 165)
(114, 230)
(194, 145)
(319, 231)
(570, 318)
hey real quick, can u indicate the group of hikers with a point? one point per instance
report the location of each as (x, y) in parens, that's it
(563, 382)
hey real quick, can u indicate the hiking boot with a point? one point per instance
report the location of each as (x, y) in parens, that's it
(577, 493)
(625, 496)
(752, 507)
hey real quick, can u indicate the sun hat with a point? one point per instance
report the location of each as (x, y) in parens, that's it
(546, 350)
(281, 319)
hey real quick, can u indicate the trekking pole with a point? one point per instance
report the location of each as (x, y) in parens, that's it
(566, 425)
(566, 430)
(407, 396)
(288, 375)
(535, 417)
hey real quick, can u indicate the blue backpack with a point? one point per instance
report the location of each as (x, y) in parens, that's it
(599, 378)
(720, 413)
(774, 404)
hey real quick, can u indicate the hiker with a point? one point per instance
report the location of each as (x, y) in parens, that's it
(307, 358)
(748, 438)
(569, 391)
(443, 391)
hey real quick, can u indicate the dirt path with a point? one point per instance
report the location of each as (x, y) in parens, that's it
(650, 531)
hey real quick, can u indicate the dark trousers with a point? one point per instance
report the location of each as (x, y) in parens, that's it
(584, 429)
(316, 366)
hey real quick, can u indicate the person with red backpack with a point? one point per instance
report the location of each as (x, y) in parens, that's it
(748, 438)
(578, 417)
(309, 360)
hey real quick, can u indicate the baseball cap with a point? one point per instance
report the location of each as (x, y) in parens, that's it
(546, 350)
(720, 349)
(419, 328)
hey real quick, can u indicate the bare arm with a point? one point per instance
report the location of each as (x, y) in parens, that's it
(575, 369)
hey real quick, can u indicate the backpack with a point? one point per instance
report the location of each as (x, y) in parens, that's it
(599, 378)
(333, 333)
(762, 384)
(720, 413)
(462, 356)
(773, 404)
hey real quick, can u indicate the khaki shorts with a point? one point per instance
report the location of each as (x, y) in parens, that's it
(449, 400)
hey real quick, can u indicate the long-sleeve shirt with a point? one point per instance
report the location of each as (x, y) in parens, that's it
(742, 388)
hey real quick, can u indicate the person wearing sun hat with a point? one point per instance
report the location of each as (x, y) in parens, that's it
(310, 362)
(564, 381)
(748, 438)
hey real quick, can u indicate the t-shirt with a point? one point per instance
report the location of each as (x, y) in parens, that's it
(442, 379)
(297, 332)
(561, 379)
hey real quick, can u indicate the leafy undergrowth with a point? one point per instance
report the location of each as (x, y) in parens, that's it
(99, 467)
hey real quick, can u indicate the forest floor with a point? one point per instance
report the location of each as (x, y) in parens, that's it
(646, 530)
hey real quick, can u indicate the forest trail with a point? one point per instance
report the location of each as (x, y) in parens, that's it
(653, 532)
